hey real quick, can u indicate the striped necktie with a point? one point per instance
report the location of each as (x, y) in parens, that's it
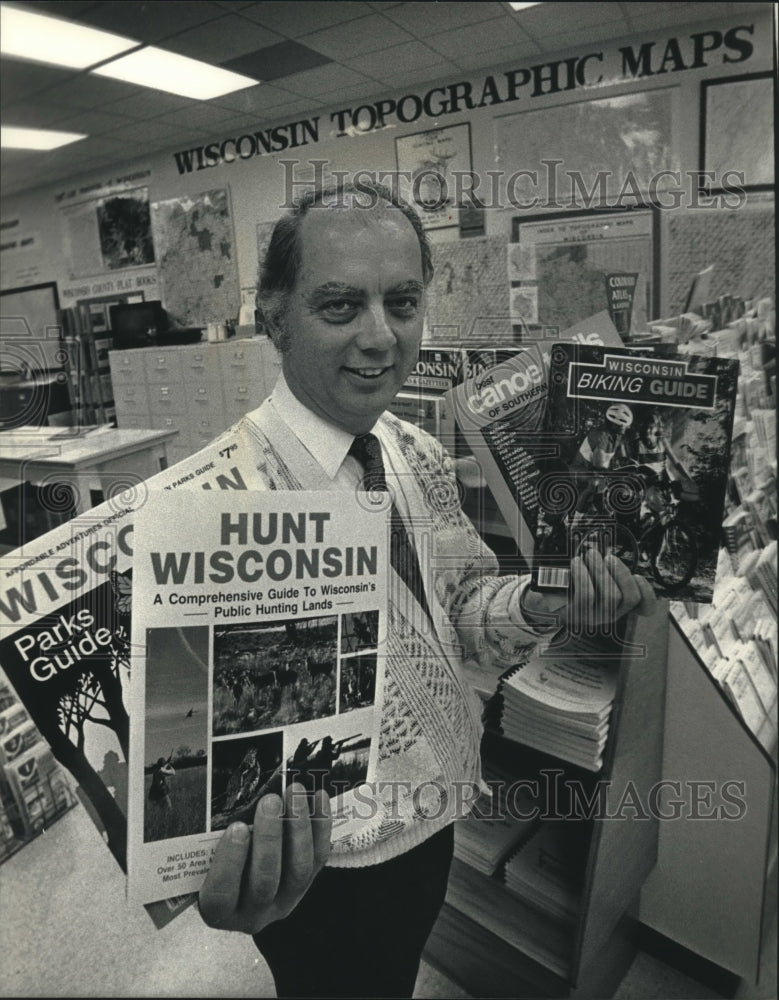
(366, 449)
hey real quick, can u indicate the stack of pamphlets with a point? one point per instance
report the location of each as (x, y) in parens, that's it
(561, 705)
(496, 824)
(546, 871)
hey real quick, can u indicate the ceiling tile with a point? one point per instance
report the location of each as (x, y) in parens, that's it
(642, 18)
(325, 78)
(495, 33)
(19, 80)
(424, 19)
(149, 21)
(275, 61)
(445, 70)
(86, 91)
(399, 58)
(259, 98)
(235, 5)
(60, 8)
(304, 16)
(145, 103)
(12, 158)
(506, 55)
(144, 132)
(553, 44)
(223, 39)
(201, 118)
(342, 96)
(33, 113)
(90, 122)
(366, 34)
(566, 17)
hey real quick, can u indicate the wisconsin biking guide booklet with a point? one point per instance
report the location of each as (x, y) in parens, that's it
(260, 619)
(624, 448)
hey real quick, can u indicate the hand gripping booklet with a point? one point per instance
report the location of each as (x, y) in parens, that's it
(258, 631)
(66, 608)
(642, 441)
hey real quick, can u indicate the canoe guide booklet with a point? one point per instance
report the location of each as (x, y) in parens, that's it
(258, 629)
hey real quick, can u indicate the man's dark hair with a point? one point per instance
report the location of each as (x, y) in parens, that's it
(280, 267)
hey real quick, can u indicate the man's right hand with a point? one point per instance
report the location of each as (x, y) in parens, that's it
(258, 876)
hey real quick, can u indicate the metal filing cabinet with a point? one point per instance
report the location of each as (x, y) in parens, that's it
(198, 389)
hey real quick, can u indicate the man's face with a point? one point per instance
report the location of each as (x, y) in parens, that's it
(354, 320)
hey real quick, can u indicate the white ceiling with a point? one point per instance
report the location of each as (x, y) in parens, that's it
(364, 50)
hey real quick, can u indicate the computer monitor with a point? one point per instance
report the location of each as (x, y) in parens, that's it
(137, 324)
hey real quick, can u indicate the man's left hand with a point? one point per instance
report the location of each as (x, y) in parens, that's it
(602, 590)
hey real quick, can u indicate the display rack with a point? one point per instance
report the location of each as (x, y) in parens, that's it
(494, 943)
(33, 789)
(89, 373)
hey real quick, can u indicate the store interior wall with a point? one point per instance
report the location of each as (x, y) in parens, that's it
(260, 185)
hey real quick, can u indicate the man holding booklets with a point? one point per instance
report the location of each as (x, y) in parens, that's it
(343, 295)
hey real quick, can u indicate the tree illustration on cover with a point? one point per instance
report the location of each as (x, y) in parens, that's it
(68, 668)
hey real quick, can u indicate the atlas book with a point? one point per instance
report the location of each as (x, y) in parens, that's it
(258, 643)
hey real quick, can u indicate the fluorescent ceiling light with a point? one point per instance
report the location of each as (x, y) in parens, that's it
(51, 40)
(13, 137)
(521, 6)
(161, 70)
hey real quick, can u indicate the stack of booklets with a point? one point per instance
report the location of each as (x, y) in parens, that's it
(760, 570)
(561, 705)
(546, 871)
(493, 828)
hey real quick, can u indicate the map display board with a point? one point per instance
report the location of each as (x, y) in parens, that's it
(468, 298)
(564, 259)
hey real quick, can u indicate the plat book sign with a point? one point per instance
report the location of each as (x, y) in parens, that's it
(67, 603)
(258, 638)
(623, 448)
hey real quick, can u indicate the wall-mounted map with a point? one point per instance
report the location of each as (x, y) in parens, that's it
(468, 298)
(614, 137)
(573, 254)
(740, 243)
(195, 243)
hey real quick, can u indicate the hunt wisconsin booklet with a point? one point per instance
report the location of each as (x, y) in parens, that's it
(258, 628)
(66, 608)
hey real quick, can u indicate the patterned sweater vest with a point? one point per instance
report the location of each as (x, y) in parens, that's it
(429, 764)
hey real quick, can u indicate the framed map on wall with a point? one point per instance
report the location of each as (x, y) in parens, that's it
(195, 242)
(737, 129)
(573, 252)
(588, 152)
(426, 165)
(739, 243)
